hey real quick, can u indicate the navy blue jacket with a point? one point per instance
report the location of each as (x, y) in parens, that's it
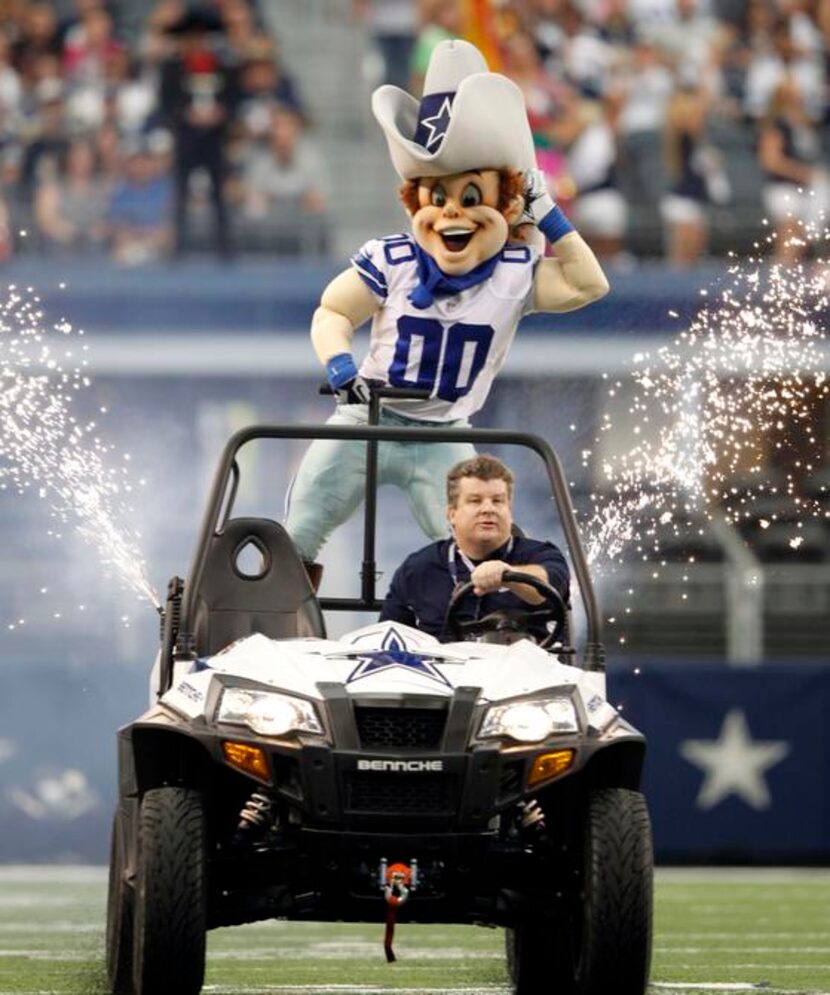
(422, 586)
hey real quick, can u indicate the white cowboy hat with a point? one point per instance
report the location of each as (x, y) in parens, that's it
(468, 118)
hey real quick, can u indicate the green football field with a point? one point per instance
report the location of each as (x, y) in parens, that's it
(715, 931)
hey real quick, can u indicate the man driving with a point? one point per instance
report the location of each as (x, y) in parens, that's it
(482, 548)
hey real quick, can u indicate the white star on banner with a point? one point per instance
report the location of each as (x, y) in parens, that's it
(734, 763)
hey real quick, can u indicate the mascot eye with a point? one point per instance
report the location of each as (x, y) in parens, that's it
(438, 196)
(471, 197)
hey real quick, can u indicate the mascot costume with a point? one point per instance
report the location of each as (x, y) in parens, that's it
(444, 299)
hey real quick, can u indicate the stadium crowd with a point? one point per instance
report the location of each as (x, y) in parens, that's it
(181, 129)
(128, 145)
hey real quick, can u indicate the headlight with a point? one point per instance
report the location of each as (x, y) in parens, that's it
(530, 721)
(268, 712)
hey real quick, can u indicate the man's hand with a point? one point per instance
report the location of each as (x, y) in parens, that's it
(356, 391)
(538, 201)
(487, 576)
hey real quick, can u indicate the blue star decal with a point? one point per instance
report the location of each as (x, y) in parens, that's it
(437, 124)
(393, 653)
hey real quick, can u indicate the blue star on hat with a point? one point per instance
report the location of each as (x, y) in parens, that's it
(393, 653)
(434, 119)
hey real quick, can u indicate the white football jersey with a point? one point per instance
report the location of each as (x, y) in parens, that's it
(455, 347)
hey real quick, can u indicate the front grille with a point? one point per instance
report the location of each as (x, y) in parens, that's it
(413, 794)
(413, 728)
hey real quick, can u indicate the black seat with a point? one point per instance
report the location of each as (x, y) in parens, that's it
(238, 597)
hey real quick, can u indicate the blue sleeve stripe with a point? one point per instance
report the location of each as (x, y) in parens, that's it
(370, 283)
(373, 277)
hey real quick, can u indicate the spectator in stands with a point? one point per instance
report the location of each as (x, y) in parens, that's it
(696, 176)
(71, 204)
(156, 44)
(545, 96)
(38, 36)
(241, 34)
(285, 189)
(587, 56)
(795, 185)
(131, 96)
(140, 210)
(88, 48)
(643, 90)
(599, 210)
(198, 98)
(46, 145)
(689, 39)
(392, 24)
(787, 51)
(11, 90)
(262, 83)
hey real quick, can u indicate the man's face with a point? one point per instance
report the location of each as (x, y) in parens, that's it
(481, 517)
(458, 222)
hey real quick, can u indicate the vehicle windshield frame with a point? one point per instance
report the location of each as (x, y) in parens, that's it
(226, 480)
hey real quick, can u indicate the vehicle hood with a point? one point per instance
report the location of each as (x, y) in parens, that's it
(386, 659)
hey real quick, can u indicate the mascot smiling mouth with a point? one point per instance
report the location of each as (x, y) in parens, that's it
(456, 239)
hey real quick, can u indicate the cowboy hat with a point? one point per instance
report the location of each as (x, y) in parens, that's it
(468, 118)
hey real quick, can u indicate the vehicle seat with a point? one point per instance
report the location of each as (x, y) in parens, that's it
(275, 597)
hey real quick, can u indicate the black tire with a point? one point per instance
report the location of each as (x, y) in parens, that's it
(119, 916)
(171, 894)
(603, 943)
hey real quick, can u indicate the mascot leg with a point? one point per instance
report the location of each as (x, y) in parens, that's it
(327, 489)
(422, 474)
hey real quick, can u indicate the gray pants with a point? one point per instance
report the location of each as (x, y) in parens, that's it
(331, 480)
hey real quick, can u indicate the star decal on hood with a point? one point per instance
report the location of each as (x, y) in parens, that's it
(393, 653)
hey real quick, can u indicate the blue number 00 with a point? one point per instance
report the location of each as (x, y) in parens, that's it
(430, 333)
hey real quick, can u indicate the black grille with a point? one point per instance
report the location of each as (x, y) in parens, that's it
(408, 794)
(416, 728)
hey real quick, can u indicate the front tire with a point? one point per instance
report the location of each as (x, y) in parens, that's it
(171, 894)
(602, 943)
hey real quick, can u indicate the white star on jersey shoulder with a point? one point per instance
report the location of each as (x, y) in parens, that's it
(734, 763)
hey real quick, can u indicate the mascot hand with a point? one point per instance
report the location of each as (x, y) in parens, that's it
(538, 201)
(356, 391)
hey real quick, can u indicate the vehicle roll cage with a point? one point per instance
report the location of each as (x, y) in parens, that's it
(226, 481)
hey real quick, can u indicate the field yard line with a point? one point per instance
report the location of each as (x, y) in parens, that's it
(348, 990)
(728, 986)
(739, 950)
(750, 966)
(718, 933)
(736, 875)
(52, 874)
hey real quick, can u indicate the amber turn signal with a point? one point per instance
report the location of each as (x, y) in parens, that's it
(549, 765)
(250, 759)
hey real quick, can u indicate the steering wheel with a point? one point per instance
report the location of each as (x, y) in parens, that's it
(509, 621)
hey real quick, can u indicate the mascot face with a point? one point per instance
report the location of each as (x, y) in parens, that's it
(458, 221)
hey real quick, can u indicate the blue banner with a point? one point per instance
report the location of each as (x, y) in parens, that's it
(738, 764)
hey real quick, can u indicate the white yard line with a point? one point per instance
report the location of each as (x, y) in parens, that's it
(685, 988)
(737, 875)
(85, 874)
(51, 874)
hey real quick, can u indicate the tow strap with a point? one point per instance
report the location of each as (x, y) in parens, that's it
(397, 881)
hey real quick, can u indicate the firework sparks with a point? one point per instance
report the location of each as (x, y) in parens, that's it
(47, 449)
(742, 382)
